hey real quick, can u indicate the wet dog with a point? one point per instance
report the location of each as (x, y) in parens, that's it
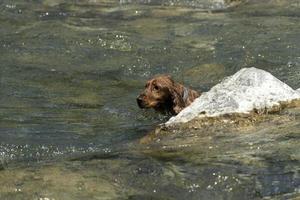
(165, 95)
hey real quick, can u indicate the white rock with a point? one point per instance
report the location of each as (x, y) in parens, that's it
(248, 89)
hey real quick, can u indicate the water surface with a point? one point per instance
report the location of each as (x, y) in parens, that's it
(69, 75)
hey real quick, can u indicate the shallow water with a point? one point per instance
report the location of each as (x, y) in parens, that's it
(70, 72)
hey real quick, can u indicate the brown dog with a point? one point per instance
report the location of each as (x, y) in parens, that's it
(166, 96)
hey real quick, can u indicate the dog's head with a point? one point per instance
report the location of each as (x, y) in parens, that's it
(158, 93)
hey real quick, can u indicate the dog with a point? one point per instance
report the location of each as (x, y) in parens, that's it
(166, 96)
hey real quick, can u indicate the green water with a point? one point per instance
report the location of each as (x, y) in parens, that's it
(69, 75)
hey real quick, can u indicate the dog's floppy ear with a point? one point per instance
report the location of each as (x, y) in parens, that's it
(178, 102)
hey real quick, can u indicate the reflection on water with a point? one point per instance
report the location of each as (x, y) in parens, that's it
(69, 76)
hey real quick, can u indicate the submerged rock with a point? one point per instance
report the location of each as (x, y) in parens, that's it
(247, 90)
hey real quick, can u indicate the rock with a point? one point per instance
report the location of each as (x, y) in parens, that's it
(247, 90)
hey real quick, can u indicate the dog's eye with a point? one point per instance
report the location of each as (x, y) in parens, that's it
(156, 87)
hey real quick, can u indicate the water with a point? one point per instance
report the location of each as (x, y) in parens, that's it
(70, 72)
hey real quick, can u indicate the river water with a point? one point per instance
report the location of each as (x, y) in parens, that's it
(69, 75)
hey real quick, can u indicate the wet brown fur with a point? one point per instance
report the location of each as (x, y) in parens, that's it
(165, 95)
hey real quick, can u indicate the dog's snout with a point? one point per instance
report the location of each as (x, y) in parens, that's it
(140, 101)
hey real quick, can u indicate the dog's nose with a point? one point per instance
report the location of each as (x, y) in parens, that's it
(139, 101)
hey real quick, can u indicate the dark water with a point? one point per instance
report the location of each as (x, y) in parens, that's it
(69, 75)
